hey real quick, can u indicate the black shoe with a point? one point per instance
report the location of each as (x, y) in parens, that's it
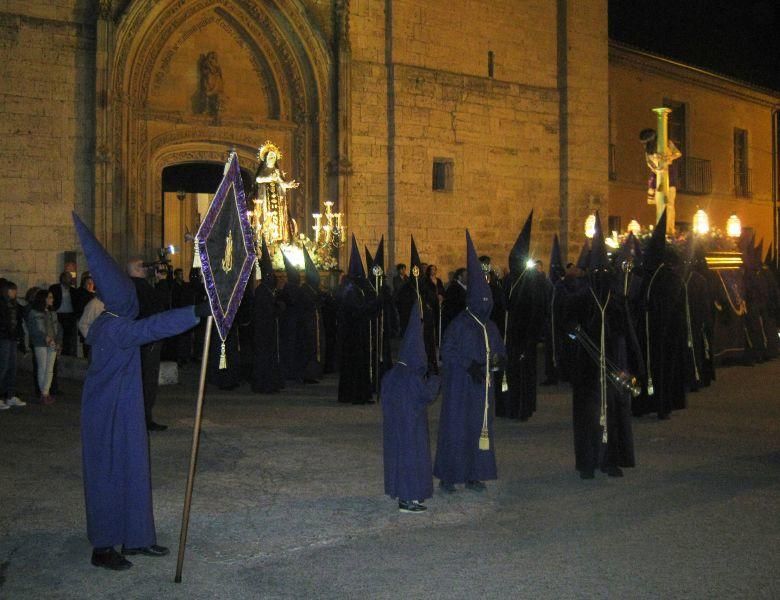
(587, 474)
(108, 558)
(447, 487)
(411, 507)
(664, 416)
(615, 472)
(152, 426)
(146, 551)
(476, 486)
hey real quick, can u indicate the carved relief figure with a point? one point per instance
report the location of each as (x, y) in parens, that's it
(210, 98)
(278, 226)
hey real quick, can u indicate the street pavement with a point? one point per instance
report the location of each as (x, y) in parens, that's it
(288, 503)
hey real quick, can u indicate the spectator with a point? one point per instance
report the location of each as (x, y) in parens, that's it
(63, 294)
(82, 296)
(46, 340)
(400, 276)
(10, 334)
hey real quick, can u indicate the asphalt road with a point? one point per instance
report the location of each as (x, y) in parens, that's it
(289, 503)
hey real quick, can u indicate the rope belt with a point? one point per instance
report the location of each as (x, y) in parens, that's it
(484, 436)
(602, 365)
(650, 389)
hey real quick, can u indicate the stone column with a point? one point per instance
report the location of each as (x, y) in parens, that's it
(104, 159)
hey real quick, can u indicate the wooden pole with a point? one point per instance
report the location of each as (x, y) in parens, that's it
(185, 518)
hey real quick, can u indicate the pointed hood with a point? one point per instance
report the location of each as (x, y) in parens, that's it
(582, 259)
(759, 253)
(312, 274)
(770, 257)
(479, 297)
(369, 259)
(415, 259)
(412, 350)
(115, 287)
(557, 269)
(379, 256)
(266, 265)
(598, 259)
(628, 248)
(518, 256)
(293, 274)
(355, 268)
(656, 247)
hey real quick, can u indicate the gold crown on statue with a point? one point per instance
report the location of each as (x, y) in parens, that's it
(268, 146)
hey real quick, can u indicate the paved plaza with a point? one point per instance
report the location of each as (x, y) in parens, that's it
(289, 503)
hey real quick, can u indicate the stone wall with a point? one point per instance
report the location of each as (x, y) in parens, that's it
(46, 134)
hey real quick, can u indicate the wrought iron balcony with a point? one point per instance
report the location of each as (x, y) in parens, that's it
(691, 175)
(743, 183)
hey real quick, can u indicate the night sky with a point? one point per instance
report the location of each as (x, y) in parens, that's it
(737, 38)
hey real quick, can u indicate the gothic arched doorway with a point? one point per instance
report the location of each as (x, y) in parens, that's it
(185, 82)
(187, 188)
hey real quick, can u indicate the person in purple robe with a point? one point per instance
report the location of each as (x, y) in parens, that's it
(115, 442)
(406, 394)
(471, 350)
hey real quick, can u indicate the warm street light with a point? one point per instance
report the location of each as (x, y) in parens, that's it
(634, 227)
(701, 223)
(733, 226)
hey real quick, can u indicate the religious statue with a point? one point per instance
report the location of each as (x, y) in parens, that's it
(212, 87)
(271, 208)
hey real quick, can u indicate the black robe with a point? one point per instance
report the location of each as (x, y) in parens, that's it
(590, 450)
(454, 303)
(662, 335)
(697, 299)
(311, 335)
(357, 307)
(524, 327)
(267, 375)
(292, 351)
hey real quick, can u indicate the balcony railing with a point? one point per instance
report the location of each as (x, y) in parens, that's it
(612, 163)
(691, 175)
(743, 183)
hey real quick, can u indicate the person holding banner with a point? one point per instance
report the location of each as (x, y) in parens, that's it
(115, 442)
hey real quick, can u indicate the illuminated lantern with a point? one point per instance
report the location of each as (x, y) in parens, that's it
(590, 226)
(634, 227)
(701, 223)
(733, 226)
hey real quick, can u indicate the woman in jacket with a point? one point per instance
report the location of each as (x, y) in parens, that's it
(46, 340)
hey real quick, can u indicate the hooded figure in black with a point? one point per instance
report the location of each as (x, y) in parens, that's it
(556, 274)
(601, 408)
(696, 298)
(386, 321)
(756, 294)
(771, 295)
(409, 293)
(312, 330)
(406, 394)
(662, 329)
(524, 327)
(472, 349)
(357, 307)
(267, 376)
(291, 346)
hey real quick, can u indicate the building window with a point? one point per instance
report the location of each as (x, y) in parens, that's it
(743, 184)
(613, 224)
(443, 174)
(491, 57)
(612, 162)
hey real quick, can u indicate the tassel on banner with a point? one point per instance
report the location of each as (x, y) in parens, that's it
(223, 358)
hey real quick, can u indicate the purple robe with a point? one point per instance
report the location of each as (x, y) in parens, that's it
(407, 454)
(115, 443)
(458, 457)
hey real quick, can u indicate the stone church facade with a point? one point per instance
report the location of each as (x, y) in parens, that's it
(366, 98)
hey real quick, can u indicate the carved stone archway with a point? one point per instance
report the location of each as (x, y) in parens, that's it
(275, 77)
